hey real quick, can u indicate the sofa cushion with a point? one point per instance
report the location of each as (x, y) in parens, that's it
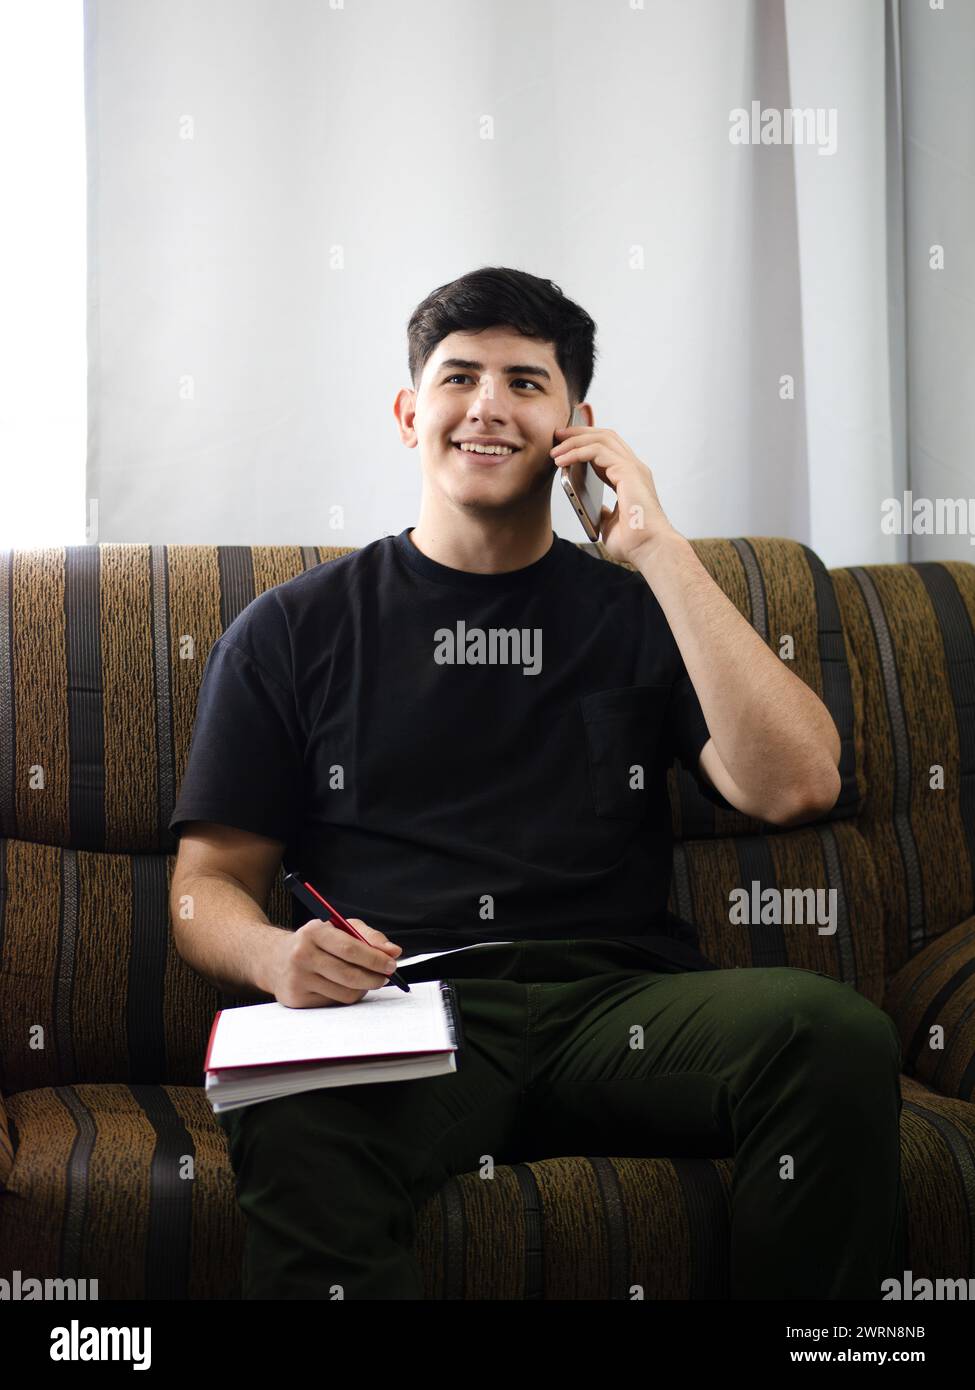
(129, 1185)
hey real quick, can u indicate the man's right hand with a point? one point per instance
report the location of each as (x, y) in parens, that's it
(320, 964)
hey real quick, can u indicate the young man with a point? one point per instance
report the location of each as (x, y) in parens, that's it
(461, 735)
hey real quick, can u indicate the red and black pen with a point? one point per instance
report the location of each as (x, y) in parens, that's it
(310, 897)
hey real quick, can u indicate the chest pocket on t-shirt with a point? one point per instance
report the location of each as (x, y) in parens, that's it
(624, 728)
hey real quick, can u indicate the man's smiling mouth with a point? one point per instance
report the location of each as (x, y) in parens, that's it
(493, 451)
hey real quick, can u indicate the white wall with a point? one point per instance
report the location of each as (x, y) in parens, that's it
(273, 188)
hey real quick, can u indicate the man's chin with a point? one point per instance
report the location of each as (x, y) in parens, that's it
(494, 489)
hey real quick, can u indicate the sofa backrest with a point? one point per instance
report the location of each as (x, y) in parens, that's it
(101, 653)
(911, 635)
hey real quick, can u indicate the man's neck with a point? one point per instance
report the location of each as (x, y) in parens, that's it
(496, 552)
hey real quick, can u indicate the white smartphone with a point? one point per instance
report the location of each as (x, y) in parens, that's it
(584, 488)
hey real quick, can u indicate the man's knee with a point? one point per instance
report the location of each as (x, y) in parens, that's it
(831, 1018)
(848, 1037)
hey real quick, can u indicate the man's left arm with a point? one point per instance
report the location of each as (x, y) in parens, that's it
(774, 750)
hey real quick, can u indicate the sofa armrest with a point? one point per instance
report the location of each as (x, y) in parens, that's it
(931, 999)
(6, 1147)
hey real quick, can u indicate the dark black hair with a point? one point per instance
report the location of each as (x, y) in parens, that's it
(496, 297)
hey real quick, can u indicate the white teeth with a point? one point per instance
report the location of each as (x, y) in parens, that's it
(485, 449)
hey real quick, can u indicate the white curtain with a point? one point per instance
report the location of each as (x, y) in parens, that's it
(937, 113)
(274, 187)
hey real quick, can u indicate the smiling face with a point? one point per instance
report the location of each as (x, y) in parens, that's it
(491, 386)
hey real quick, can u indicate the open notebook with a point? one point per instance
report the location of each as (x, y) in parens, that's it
(261, 1051)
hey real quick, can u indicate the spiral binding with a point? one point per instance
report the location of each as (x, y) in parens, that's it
(452, 1008)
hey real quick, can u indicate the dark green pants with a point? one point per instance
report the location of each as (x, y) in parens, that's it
(768, 1065)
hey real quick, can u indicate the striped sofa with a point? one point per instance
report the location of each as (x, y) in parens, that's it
(111, 1165)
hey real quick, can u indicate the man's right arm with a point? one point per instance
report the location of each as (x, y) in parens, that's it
(228, 940)
(221, 883)
(221, 879)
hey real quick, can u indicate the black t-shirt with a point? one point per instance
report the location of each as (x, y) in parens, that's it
(456, 757)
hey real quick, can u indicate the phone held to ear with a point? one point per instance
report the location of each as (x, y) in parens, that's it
(584, 488)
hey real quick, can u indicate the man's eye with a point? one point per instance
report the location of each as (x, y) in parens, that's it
(458, 376)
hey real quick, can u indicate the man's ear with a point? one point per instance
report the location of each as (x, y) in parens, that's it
(404, 408)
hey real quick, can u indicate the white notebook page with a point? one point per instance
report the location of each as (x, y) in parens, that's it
(451, 951)
(385, 1020)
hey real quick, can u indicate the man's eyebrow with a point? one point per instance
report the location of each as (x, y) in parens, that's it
(468, 365)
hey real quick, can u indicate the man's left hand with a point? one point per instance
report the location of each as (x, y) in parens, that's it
(635, 526)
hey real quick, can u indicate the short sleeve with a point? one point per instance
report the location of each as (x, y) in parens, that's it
(689, 733)
(245, 764)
